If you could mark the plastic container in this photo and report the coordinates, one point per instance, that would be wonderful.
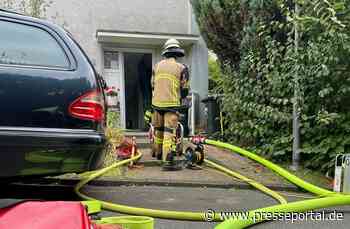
(130, 222)
(213, 113)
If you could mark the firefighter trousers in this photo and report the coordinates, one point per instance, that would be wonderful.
(165, 125)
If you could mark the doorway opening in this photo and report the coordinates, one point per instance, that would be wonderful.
(138, 91)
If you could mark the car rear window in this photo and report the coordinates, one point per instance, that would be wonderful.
(31, 46)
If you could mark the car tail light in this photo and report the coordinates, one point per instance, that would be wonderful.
(89, 106)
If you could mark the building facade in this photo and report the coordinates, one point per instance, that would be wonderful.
(124, 37)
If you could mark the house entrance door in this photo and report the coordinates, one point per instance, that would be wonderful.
(138, 91)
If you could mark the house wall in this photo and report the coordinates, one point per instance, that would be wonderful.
(84, 17)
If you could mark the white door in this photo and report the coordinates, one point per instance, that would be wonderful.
(113, 74)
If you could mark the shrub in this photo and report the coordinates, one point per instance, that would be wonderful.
(254, 41)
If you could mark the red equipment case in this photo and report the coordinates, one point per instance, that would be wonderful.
(46, 215)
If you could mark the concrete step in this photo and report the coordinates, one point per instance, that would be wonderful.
(143, 143)
(131, 133)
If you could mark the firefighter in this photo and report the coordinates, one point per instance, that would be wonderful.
(169, 86)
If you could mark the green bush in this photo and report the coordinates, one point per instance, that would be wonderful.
(214, 73)
(254, 41)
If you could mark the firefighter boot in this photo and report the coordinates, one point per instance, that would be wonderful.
(170, 164)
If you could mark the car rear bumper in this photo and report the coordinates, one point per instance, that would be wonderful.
(41, 151)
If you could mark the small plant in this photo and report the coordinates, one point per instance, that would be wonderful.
(113, 120)
(114, 137)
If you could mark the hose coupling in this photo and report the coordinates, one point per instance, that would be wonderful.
(197, 140)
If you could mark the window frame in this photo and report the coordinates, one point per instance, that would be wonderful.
(118, 60)
(72, 65)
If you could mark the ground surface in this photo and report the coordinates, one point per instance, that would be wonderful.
(152, 172)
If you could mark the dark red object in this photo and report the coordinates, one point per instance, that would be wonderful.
(45, 215)
(124, 151)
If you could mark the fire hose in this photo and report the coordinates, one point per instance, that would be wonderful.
(328, 199)
(176, 215)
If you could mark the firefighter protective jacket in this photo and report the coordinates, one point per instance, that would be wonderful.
(169, 80)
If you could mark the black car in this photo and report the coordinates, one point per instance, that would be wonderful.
(52, 105)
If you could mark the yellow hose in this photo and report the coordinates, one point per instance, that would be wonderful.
(193, 216)
(273, 167)
(331, 199)
(175, 215)
(253, 183)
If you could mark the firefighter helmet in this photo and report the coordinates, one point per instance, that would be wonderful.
(172, 48)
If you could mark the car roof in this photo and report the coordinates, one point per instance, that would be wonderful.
(19, 16)
(16, 15)
(9, 11)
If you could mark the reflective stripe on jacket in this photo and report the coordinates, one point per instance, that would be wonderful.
(167, 83)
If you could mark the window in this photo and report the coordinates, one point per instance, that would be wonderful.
(111, 60)
(28, 45)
